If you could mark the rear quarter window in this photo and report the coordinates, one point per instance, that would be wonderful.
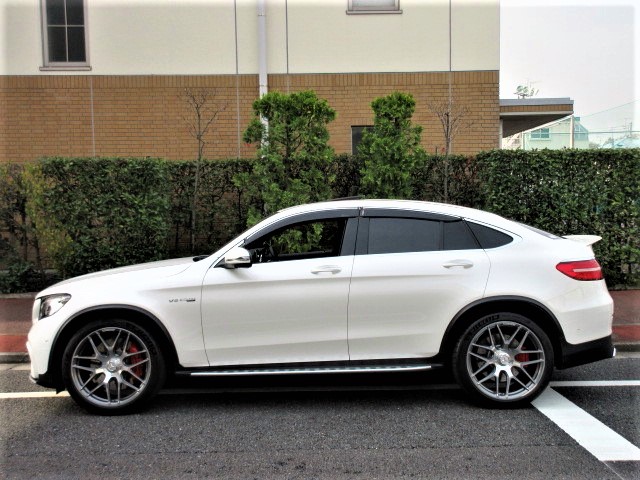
(488, 237)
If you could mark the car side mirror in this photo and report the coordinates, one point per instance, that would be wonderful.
(237, 257)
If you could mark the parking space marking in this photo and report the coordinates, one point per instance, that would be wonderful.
(593, 435)
(595, 383)
(8, 395)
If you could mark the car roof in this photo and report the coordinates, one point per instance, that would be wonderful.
(432, 207)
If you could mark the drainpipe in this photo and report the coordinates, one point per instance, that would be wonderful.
(262, 47)
(262, 60)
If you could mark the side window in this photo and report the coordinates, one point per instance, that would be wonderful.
(314, 239)
(457, 236)
(396, 235)
(488, 237)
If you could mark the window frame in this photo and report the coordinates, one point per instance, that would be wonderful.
(541, 134)
(48, 65)
(373, 10)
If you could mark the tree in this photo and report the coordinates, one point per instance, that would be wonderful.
(391, 149)
(203, 109)
(452, 117)
(526, 91)
(293, 155)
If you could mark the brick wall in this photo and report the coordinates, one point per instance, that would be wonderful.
(144, 115)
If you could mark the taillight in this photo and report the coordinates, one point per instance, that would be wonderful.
(582, 270)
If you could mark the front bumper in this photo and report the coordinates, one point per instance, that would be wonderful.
(583, 353)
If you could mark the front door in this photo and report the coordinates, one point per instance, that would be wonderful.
(290, 306)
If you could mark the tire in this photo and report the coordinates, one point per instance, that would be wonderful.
(503, 360)
(112, 367)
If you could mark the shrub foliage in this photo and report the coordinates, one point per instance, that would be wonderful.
(391, 149)
(93, 214)
(293, 153)
(572, 192)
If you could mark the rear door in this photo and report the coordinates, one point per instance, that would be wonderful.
(413, 271)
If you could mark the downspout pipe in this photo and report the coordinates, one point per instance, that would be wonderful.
(262, 48)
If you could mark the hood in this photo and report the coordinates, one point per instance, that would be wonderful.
(171, 267)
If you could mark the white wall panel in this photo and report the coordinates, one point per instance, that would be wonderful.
(323, 38)
(20, 37)
(476, 35)
(168, 37)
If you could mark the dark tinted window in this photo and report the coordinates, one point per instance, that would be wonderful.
(396, 235)
(488, 237)
(457, 236)
(66, 30)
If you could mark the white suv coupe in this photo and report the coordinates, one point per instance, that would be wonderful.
(347, 286)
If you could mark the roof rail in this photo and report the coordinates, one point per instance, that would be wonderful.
(340, 199)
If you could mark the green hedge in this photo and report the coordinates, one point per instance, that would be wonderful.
(221, 206)
(572, 192)
(93, 214)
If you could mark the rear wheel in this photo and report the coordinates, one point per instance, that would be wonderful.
(112, 367)
(503, 359)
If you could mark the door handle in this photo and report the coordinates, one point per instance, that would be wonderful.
(458, 263)
(332, 269)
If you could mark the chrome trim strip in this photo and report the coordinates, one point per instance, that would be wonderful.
(297, 371)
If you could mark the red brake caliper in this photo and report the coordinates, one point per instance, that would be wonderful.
(133, 348)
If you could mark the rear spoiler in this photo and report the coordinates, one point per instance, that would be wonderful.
(587, 240)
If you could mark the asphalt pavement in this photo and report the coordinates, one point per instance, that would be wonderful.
(385, 426)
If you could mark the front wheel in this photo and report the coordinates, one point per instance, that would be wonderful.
(112, 367)
(503, 360)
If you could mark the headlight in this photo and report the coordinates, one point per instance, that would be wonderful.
(51, 304)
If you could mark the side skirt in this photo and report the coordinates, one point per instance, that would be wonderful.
(301, 369)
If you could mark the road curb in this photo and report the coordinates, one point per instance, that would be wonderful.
(14, 357)
(627, 347)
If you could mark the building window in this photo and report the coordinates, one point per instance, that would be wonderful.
(540, 134)
(580, 133)
(64, 33)
(374, 6)
(356, 137)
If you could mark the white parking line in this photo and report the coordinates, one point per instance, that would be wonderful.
(33, 395)
(595, 383)
(593, 435)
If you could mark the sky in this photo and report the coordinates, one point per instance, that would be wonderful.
(583, 49)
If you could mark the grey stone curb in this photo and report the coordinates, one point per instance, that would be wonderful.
(14, 358)
(11, 296)
(627, 347)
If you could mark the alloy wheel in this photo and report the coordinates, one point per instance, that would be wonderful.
(505, 361)
(110, 367)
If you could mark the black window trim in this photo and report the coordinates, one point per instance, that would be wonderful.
(418, 214)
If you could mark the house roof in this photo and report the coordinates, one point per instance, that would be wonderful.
(522, 114)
